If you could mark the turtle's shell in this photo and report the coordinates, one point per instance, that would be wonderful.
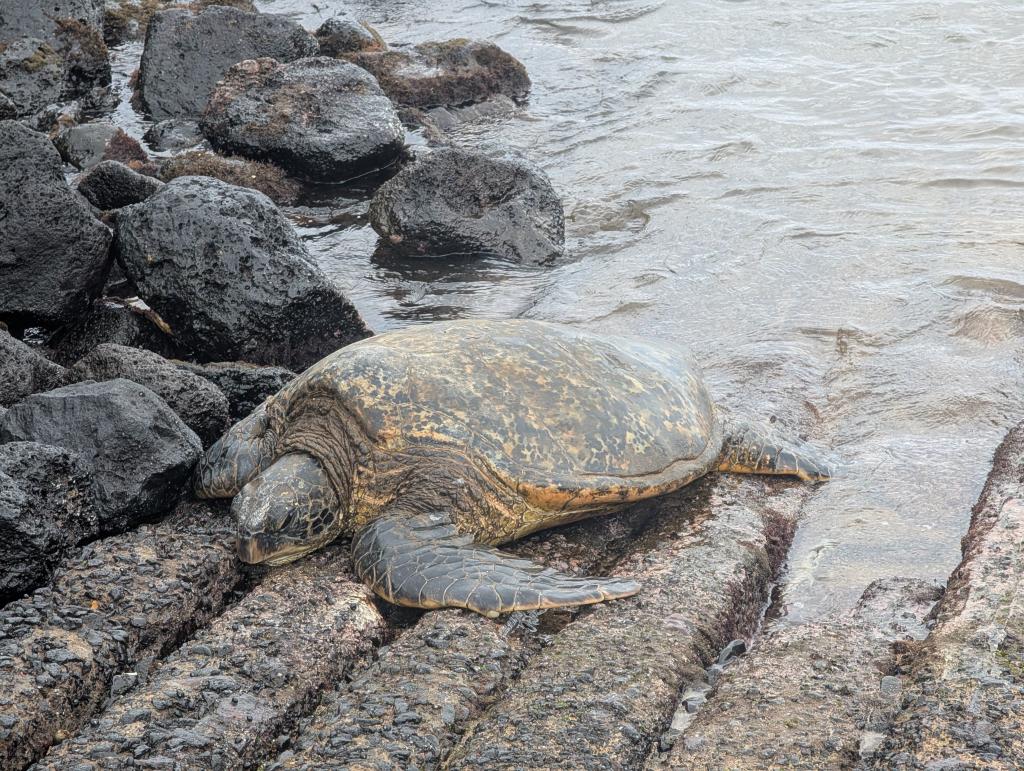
(567, 418)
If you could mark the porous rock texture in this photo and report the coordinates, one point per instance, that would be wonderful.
(54, 255)
(48, 505)
(86, 145)
(245, 385)
(50, 50)
(186, 54)
(408, 708)
(197, 401)
(25, 371)
(604, 690)
(173, 134)
(319, 118)
(226, 270)
(445, 74)
(112, 185)
(811, 696)
(113, 608)
(229, 697)
(964, 708)
(340, 35)
(140, 452)
(456, 200)
(111, 322)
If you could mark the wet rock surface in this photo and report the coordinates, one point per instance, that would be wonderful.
(231, 695)
(114, 608)
(340, 35)
(140, 452)
(25, 371)
(408, 708)
(964, 707)
(50, 50)
(112, 185)
(54, 255)
(605, 689)
(92, 143)
(48, 505)
(245, 385)
(445, 74)
(265, 177)
(31, 76)
(186, 54)
(197, 401)
(320, 118)
(173, 134)
(462, 201)
(226, 270)
(811, 696)
(110, 322)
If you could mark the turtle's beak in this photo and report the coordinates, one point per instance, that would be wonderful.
(250, 550)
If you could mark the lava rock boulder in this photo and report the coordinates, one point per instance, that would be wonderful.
(50, 50)
(173, 134)
(340, 35)
(24, 371)
(445, 74)
(186, 54)
(197, 401)
(455, 200)
(140, 452)
(112, 185)
(319, 118)
(91, 143)
(48, 505)
(226, 270)
(246, 386)
(111, 322)
(54, 255)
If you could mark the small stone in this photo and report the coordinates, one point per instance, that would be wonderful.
(731, 651)
(123, 682)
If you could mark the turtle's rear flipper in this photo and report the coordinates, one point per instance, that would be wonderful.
(749, 450)
(423, 561)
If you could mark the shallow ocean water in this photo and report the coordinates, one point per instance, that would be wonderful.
(823, 202)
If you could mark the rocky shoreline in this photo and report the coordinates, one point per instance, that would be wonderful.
(151, 297)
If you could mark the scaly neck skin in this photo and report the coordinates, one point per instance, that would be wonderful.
(327, 432)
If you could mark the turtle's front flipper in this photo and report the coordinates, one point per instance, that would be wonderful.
(422, 561)
(748, 450)
(237, 457)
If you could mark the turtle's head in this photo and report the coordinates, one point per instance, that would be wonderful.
(289, 509)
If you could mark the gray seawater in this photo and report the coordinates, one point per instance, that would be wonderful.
(823, 201)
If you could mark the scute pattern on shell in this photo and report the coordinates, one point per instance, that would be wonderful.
(566, 419)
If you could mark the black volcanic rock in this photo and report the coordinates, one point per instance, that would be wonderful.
(226, 270)
(54, 254)
(319, 118)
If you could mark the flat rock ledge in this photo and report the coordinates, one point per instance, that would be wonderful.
(810, 696)
(600, 695)
(122, 602)
(965, 708)
(409, 707)
(230, 696)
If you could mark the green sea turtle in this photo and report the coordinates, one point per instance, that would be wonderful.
(432, 445)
